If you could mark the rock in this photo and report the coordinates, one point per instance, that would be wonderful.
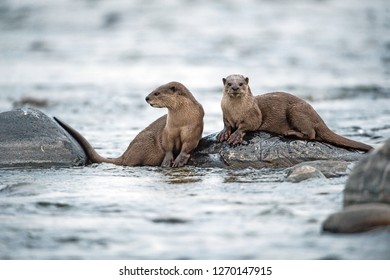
(329, 168)
(261, 149)
(370, 179)
(29, 138)
(366, 195)
(31, 101)
(317, 169)
(358, 218)
(303, 172)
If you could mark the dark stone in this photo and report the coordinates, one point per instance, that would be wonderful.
(261, 149)
(366, 195)
(358, 218)
(29, 138)
(370, 179)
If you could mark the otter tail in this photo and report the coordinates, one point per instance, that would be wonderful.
(92, 155)
(328, 136)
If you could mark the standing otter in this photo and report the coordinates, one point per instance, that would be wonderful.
(276, 112)
(173, 135)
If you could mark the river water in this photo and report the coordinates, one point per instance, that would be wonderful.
(94, 61)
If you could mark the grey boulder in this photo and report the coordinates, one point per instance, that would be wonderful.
(264, 150)
(366, 195)
(29, 138)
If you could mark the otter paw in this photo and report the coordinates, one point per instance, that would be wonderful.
(235, 138)
(167, 161)
(223, 135)
(181, 160)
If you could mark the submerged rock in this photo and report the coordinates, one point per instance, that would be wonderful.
(366, 195)
(261, 149)
(29, 138)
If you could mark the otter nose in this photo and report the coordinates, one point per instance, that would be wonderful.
(235, 88)
(147, 98)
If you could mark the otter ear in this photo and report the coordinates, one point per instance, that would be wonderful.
(224, 81)
(173, 88)
(247, 80)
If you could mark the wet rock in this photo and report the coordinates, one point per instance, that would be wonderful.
(261, 149)
(370, 179)
(329, 168)
(29, 138)
(31, 101)
(303, 172)
(366, 195)
(358, 218)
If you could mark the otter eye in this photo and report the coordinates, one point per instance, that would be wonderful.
(173, 88)
(240, 84)
(157, 93)
(229, 84)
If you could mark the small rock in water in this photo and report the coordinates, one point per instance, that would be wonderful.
(358, 218)
(330, 168)
(31, 101)
(303, 172)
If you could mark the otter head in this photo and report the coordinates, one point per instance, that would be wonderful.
(236, 85)
(168, 96)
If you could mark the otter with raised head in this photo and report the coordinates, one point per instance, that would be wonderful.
(168, 141)
(276, 112)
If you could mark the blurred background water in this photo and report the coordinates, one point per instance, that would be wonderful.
(94, 61)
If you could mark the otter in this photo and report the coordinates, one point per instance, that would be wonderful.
(168, 141)
(276, 112)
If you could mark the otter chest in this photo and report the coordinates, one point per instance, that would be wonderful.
(237, 111)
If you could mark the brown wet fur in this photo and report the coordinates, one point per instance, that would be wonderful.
(184, 124)
(168, 141)
(277, 112)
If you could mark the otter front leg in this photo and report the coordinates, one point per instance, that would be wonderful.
(168, 146)
(181, 159)
(225, 133)
(168, 159)
(185, 153)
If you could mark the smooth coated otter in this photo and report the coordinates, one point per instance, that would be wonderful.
(168, 141)
(276, 112)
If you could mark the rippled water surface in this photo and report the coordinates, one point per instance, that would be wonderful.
(94, 61)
